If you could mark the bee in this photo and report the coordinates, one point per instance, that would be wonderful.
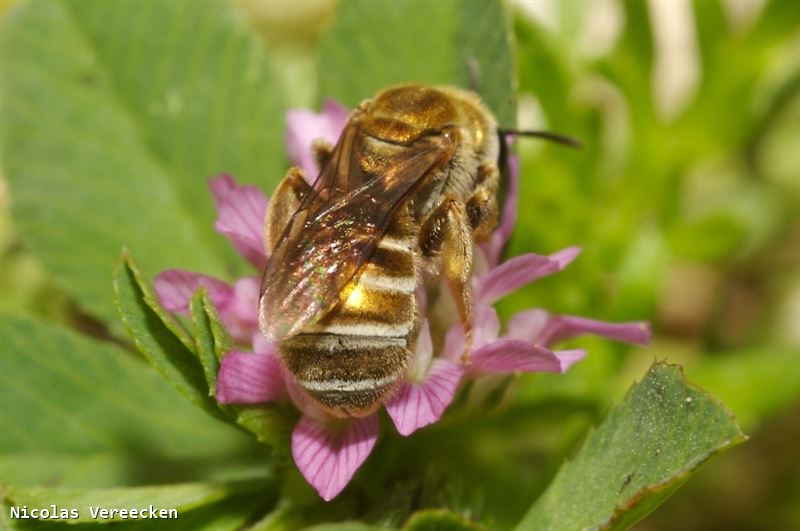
(410, 186)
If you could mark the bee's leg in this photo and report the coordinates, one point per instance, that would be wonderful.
(322, 150)
(482, 206)
(446, 239)
(284, 202)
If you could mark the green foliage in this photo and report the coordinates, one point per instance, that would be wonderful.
(646, 447)
(210, 336)
(115, 114)
(435, 520)
(158, 336)
(189, 366)
(688, 181)
(77, 413)
(390, 43)
(344, 527)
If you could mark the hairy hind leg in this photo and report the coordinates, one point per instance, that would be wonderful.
(482, 205)
(284, 203)
(446, 239)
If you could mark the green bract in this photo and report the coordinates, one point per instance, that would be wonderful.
(644, 449)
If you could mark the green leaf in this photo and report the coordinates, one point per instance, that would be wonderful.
(180, 497)
(635, 53)
(210, 336)
(630, 68)
(373, 45)
(777, 21)
(710, 19)
(222, 340)
(646, 447)
(80, 413)
(439, 520)
(271, 423)
(231, 514)
(301, 508)
(162, 341)
(113, 123)
(543, 72)
(346, 526)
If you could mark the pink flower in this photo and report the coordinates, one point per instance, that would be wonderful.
(327, 450)
(305, 126)
(240, 216)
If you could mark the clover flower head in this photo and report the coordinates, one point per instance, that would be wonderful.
(328, 451)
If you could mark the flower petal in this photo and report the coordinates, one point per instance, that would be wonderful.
(561, 327)
(329, 454)
(175, 287)
(543, 328)
(244, 307)
(304, 126)
(337, 115)
(497, 241)
(568, 358)
(241, 211)
(250, 379)
(485, 329)
(527, 325)
(221, 186)
(262, 345)
(515, 355)
(418, 404)
(423, 352)
(519, 271)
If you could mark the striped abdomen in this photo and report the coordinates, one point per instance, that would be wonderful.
(356, 354)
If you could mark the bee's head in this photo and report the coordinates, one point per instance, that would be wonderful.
(404, 114)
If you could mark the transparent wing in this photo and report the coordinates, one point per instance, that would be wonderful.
(336, 229)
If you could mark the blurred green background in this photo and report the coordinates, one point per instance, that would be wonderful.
(685, 198)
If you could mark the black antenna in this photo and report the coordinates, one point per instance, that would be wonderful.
(545, 135)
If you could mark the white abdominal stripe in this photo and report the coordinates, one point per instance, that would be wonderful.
(380, 331)
(396, 244)
(388, 283)
(333, 342)
(347, 386)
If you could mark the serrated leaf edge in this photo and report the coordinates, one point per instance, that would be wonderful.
(683, 474)
(149, 297)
